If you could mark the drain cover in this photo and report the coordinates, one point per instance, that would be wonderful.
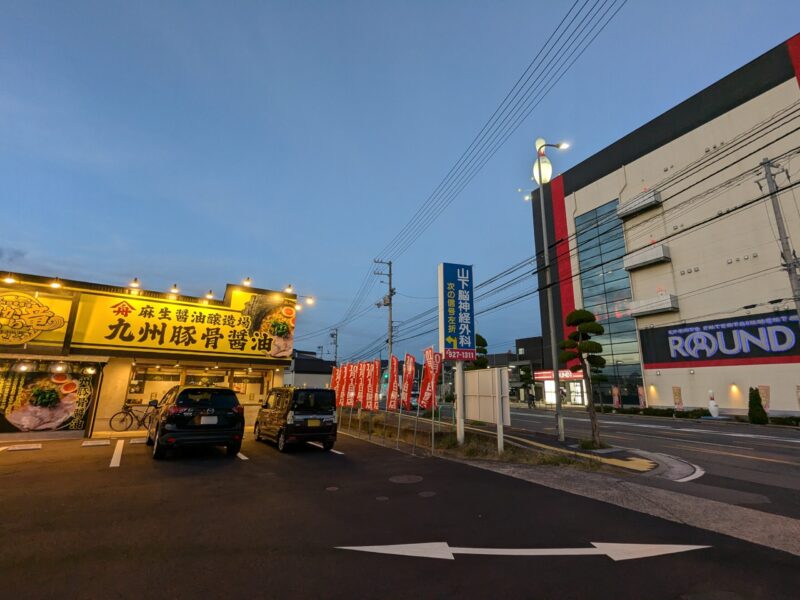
(405, 479)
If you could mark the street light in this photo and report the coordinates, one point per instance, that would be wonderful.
(542, 172)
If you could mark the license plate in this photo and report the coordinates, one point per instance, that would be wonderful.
(313, 423)
(208, 420)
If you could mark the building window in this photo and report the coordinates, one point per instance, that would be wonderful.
(606, 291)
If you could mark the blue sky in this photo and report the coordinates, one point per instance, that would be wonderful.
(203, 142)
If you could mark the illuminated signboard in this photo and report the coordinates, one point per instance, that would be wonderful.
(257, 325)
(456, 312)
(767, 337)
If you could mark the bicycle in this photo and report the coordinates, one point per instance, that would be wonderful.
(125, 418)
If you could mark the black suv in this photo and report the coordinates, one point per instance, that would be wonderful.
(293, 415)
(196, 415)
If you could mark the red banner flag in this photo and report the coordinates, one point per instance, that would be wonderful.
(334, 375)
(430, 377)
(369, 385)
(352, 381)
(361, 385)
(376, 384)
(392, 391)
(408, 381)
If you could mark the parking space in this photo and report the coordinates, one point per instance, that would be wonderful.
(271, 525)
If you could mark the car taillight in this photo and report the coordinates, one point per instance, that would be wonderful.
(176, 410)
(290, 418)
(239, 410)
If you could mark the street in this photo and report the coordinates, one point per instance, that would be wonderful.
(108, 521)
(742, 464)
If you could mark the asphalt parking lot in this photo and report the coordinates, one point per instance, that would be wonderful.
(108, 521)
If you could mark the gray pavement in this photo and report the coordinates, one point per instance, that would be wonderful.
(268, 525)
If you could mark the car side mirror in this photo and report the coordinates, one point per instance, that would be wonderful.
(153, 403)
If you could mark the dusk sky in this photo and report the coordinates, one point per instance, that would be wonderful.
(202, 142)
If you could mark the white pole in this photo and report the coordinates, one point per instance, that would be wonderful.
(498, 392)
(460, 402)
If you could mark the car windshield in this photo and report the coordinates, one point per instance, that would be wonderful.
(314, 400)
(220, 398)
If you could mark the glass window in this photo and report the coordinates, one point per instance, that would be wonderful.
(205, 397)
(314, 400)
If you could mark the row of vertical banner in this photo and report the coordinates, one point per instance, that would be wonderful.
(358, 384)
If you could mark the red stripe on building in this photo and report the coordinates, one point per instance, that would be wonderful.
(561, 249)
(793, 45)
(726, 362)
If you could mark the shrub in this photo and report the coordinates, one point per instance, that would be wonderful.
(755, 409)
(658, 412)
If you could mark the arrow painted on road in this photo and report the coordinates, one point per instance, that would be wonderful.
(443, 550)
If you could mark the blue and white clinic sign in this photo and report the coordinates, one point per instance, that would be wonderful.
(456, 312)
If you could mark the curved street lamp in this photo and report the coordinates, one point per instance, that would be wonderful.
(542, 172)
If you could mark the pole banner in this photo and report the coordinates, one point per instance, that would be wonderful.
(376, 384)
(409, 369)
(431, 372)
(369, 385)
(334, 375)
(392, 387)
(360, 396)
(352, 382)
(341, 386)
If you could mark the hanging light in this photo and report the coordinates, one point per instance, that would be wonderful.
(210, 294)
(23, 367)
(247, 282)
(134, 283)
(546, 167)
(56, 283)
(216, 365)
(58, 367)
(174, 289)
(288, 289)
(89, 371)
(309, 300)
(9, 279)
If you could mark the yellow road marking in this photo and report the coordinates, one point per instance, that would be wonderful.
(707, 451)
(631, 463)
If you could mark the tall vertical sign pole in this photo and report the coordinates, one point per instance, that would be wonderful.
(550, 309)
(457, 328)
(790, 261)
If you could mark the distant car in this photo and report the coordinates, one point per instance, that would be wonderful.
(292, 415)
(197, 416)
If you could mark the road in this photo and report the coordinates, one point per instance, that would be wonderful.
(745, 465)
(108, 521)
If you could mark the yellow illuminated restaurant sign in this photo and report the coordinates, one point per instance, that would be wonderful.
(255, 325)
(33, 318)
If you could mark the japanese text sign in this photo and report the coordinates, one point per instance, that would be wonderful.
(456, 312)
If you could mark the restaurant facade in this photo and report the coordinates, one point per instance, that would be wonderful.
(72, 353)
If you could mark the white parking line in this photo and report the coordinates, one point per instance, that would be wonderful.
(318, 445)
(24, 447)
(137, 441)
(87, 443)
(242, 456)
(117, 457)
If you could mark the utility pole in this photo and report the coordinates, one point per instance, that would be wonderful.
(790, 261)
(387, 301)
(320, 349)
(335, 338)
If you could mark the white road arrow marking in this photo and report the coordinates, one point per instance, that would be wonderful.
(444, 551)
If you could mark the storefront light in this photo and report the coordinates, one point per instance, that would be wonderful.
(58, 367)
(24, 367)
(289, 289)
(247, 282)
(9, 279)
(134, 283)
(298, 306)
(55, 284)
(210, 295)
(309, 300)
(174, 289)
(89, 371)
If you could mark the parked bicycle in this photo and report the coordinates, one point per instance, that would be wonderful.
(125, 419)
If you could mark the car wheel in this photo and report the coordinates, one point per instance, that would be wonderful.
(327, 446)
(257, 431)
(233, 449)
(149, 440)
(282, 445)
(159, 451)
